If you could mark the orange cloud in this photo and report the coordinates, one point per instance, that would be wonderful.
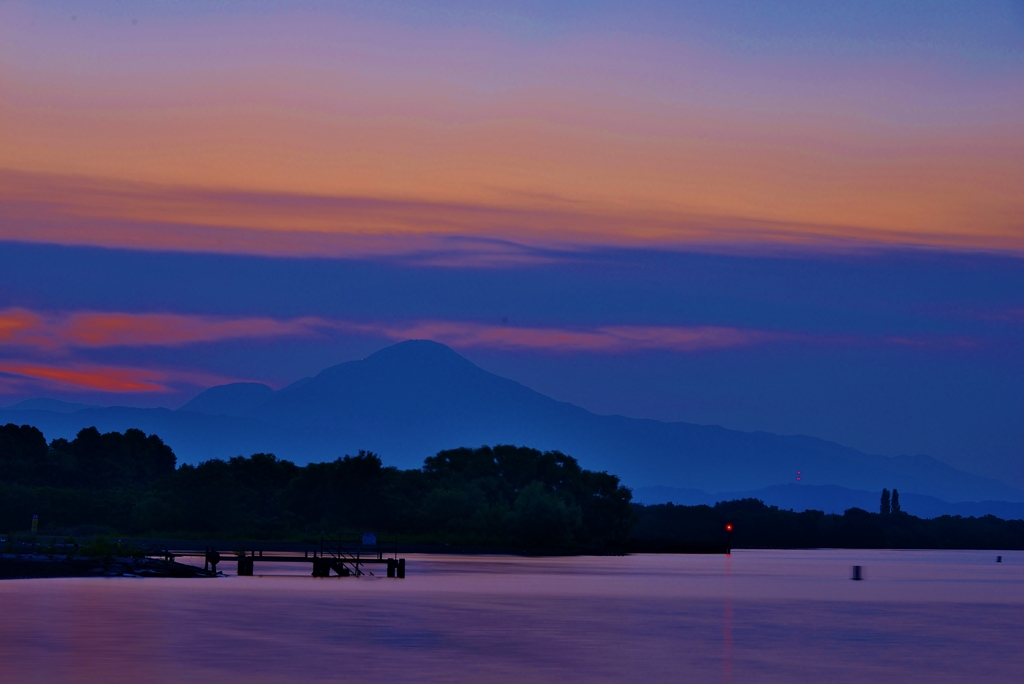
(92, 329)
(117, 329)
(75, 210)
(607, 339)
(67, 331)
(104, 379)
(16, 323)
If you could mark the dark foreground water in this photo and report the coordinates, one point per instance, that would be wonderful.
(757, 616)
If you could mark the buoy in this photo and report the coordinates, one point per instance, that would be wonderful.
(856, 573)
(999, 559)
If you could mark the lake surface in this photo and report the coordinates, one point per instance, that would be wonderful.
(755, 616)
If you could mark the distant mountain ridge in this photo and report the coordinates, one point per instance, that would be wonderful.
(832, 499)
(52, 405)
(415, 398)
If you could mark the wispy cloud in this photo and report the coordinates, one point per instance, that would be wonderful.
(48, 348)
(54, 332)
(99, 329)
(74, 210)
(1012, 315)
(19, 327)
(605, 339)
(118, 329)
(97, 378)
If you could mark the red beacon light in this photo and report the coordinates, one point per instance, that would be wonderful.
(728, 527)
(798, 478)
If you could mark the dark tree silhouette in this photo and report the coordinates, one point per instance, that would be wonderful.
(502, 496)
(89, 461)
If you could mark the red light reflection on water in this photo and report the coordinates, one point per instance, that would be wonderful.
(727, 621)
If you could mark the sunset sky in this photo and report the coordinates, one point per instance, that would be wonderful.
(794, 216)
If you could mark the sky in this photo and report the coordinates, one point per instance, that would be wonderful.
(797, 217)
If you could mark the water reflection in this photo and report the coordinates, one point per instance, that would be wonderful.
(754, 616)
(727, 622)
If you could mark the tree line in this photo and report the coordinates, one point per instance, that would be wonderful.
(759, 526)
(502, 496)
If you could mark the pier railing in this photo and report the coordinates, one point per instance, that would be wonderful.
(346, 554)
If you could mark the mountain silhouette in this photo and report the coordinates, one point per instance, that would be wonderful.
(235, 399)
(412, 399)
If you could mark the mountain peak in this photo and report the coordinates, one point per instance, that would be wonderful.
(409, 361)
(417, 397)
(418, 352)
(235, 399)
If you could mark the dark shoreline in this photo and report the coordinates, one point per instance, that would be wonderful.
(659, 546)
(40, 566)
(37, 561)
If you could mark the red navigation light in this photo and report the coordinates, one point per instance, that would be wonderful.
(728, 527)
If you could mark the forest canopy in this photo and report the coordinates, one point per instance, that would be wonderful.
(488, 495)
(499, 497)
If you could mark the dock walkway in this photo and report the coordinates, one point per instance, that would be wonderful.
(347, 555)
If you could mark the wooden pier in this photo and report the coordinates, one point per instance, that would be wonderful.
(347, 555)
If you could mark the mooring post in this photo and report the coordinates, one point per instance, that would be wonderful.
(212, 557)
(391, 567)
(401, 568)
(856, 573)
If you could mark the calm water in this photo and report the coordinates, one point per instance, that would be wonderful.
(757, 616)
